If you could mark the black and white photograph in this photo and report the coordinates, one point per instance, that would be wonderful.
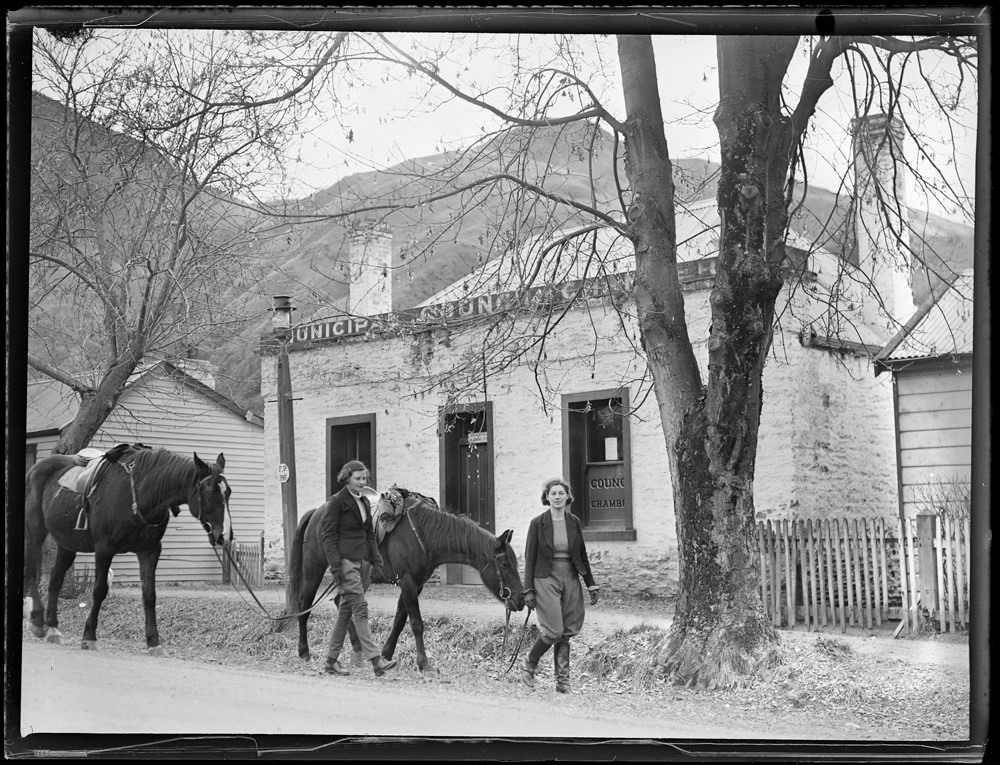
(498, 383)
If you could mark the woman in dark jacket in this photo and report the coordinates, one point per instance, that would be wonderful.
(354, 559)
(554, 560)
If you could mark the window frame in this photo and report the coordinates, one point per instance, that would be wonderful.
(627, 532)
(354, 419)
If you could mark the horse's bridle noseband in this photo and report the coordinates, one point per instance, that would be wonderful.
(199, 491)
(503, 591)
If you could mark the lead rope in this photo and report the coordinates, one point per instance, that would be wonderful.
(520, 640)
(267, 615)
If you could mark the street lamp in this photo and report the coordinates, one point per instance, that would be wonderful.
(281, 322)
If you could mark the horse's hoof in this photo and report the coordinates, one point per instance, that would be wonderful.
(36, 630)
(157, 650)
(53, 636)
(88, 645)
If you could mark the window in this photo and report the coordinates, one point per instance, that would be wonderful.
(597, 462)
(350, 438)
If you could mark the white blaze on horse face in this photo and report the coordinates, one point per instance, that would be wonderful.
(227, 518)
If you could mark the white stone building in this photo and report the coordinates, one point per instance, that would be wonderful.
(375, 385)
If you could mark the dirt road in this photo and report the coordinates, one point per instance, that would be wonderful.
(66, 690)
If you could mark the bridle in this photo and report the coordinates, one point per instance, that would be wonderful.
(196, 498)
(199, 490)
(503, 591)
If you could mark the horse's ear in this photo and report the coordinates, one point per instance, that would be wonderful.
(200, 465)
(504, 538)
(221, 461)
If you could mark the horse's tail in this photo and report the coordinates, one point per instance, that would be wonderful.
(295, 563)
(37, 476)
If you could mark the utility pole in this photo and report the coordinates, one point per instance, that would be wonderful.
(281, 320)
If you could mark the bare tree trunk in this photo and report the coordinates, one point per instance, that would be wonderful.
(95, 406)
(720, 633)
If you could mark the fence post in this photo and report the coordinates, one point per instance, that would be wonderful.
(927, 584)
(260, 562)
(789, 586)
(903, 581)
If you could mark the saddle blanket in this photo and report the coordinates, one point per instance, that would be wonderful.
(79, 477)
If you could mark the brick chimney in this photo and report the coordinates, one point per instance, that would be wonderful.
(881, 219)
(370, 252)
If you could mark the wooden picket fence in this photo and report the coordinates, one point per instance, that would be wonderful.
(250, 557)
(829, 573)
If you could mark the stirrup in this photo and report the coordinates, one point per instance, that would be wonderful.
(82, 520)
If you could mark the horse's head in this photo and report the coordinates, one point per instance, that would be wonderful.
(209, 502)
(502, 577)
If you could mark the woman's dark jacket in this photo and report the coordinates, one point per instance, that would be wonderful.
(539, 550)
(345, 534)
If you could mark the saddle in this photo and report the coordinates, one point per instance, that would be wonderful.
(83, 477)
(386, 519)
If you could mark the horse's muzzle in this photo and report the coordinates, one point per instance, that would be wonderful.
(515, 604)
(220, 539)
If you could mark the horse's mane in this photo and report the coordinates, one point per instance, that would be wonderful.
(460, 531)
(161, 472)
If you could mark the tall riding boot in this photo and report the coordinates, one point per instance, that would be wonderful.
(562, 666)
(531, 661)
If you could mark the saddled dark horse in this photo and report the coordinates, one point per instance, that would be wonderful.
(422, 538)
(129, 507)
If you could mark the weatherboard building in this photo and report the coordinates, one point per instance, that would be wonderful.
(384, 386)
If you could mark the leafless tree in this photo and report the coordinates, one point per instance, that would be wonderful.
(149, 150)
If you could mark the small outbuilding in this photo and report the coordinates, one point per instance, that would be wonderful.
(931, 364)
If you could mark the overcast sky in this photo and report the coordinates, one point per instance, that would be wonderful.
(687, 77)
(688, 83)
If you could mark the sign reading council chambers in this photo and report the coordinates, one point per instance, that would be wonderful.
(352, 326)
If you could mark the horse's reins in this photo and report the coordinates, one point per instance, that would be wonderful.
(520, 640)
(129, 468)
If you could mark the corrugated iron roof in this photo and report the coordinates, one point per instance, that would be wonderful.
(697, 236)
(51, 406)
(942, 328)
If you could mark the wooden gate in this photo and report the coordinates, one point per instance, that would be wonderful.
(250, 558)
(935, 572)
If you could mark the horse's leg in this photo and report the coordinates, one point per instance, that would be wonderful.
(35, 533)
(410, 594)
(64, 559)
(398, 622)
(32, 570)
(102, 562)
(148, 559)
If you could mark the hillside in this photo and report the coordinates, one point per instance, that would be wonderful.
(435, 245)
